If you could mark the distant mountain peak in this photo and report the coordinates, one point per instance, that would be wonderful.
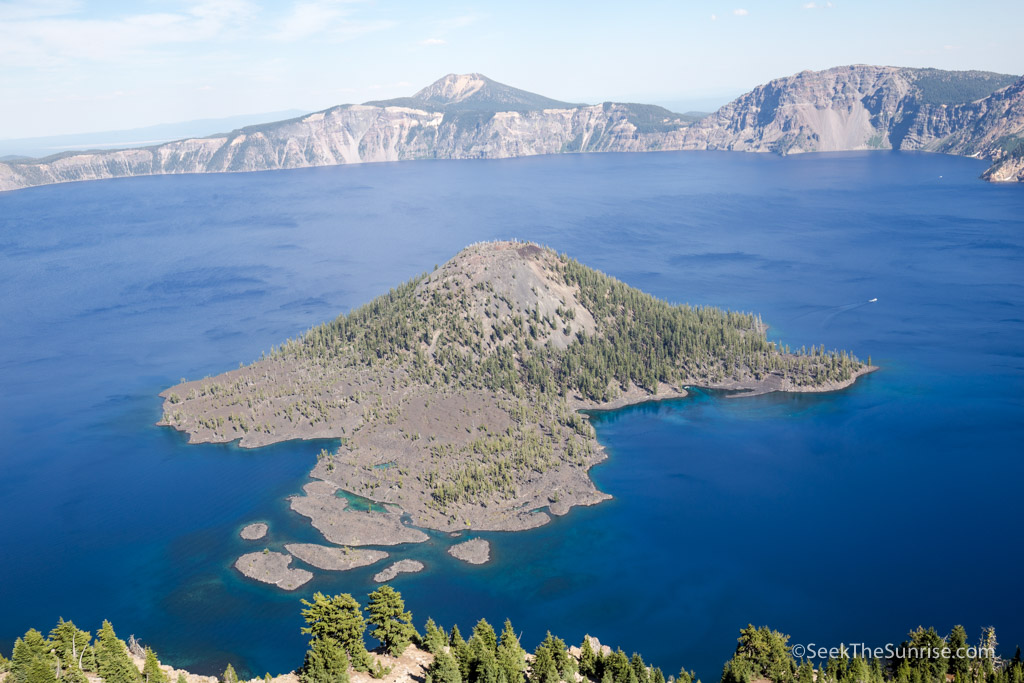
(453, 88)
(475, 92)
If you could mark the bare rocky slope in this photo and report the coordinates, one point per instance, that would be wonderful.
(469, 116)
(456, 394)
(967, 113)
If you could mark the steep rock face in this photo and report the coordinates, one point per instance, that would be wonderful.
(1009, 169)
(839, 109)
(991, 128)
(472, 117)
(360, 133)
(867, 107)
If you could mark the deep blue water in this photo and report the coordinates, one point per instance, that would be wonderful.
(851, 516)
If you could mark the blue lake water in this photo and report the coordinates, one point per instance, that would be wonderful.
(845, 517)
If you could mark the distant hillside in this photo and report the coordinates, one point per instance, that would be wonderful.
(39, 147)
(970, 113)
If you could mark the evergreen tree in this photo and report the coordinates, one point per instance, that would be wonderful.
(835, 669)
(617, 664)
(21, 659)
(484, 667)
(71, 645)
(88, 659)
(460, 651)
(918, 653)
(484, 633)
(511, 656)
(434, 639)
(543, 669)
(341, 619)
(685, 676)
(152, 673)
(805, 673)
(392, 624)
(27, 650)
(326, 662)
(112, 659)
(959, 662)
(444, 669)
(639, 668)
(588, 659)
(760, 653)
(229, 675)
(555, 646)
(657, 675)
(181, 678)
(455, 637)
(41, 670)
(857, 671)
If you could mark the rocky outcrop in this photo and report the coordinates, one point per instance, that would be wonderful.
(343, 526)
(472, 117)
(1010, 168)
(400, 567)
(272, 568)
(475, 551)
(254, 531)
(869, 107)
(334, 559)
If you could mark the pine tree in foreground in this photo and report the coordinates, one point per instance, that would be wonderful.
(151, 671)
(112, 659)
(339, 618)
(326, 662)
(392, 624)
(444, 669)
(511, 656)
(434, 640)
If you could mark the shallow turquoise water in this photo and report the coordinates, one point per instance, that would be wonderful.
(851, 516)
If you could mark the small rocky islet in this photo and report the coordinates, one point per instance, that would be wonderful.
(254, 531)
(400, 567)
(474, 551)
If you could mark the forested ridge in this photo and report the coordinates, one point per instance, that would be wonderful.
(337, 628)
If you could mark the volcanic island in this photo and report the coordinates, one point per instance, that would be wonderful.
(457, 398)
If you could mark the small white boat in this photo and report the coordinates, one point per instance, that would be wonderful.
(871, 301)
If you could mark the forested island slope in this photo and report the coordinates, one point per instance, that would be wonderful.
(469, 116)
(456, 395)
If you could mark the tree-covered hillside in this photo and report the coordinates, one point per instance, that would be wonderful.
(428, 324)
(337, 653)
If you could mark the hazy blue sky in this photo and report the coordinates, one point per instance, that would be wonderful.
(70, 66)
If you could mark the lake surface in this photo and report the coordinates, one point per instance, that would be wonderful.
(845, 517)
